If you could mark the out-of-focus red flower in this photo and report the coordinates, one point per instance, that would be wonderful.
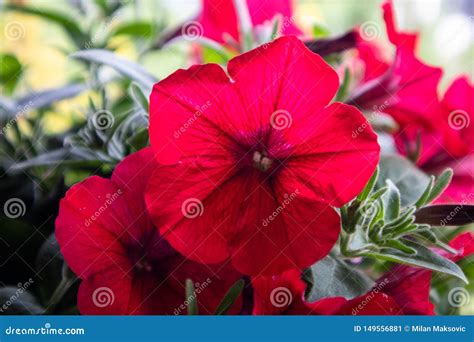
(108, 240)
(403, 86)
(403, 290)
(218, 17)
(259, 155)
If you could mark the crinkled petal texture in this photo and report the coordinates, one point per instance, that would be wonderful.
(219, 17)
(108, 240)
(259, 157)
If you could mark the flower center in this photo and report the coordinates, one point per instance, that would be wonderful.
(143, 266)
(261, 161)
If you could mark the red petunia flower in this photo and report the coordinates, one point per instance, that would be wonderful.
(403, 290)
(256, 159)
(403, 87)
(109, 241)
(218, 17)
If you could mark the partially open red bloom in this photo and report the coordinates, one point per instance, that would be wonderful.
(403, 290)
(403, 86)
(261, 156)
(108, 240)
(218, 17)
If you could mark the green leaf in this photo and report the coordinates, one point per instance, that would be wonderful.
(424, 197)
(332, 277)
(320, 31)
(391, 202)
(10, 72)
(409, 180)
(369, 186)
(230, 297)
(342, 91)
(123, 66)
(440, 184)
(66, 22)
(424, 258)
(138, 29)
(191, 298)
(139, 98)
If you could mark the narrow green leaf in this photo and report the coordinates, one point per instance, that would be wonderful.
(191, 298)
(424, 197)
(440, 184)
(391, 201)
(230, 298)
(342, 91)
(397, 244)
(123, 66)
(424, 257)
(139, 97)
(369, 186)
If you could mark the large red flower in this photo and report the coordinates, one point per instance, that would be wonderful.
(259, 155)
(109, 241)
(218, 17)
(403, 290)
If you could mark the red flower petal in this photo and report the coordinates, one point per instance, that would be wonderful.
(219, 17)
